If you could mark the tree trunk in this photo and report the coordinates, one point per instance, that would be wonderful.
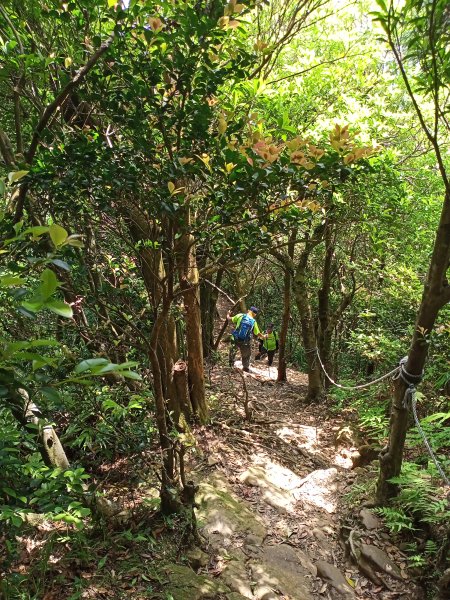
(208, 302)
(169, 484)
(324, 330)
(435, 295)
(26, 411)
(239, 291)
(308, 334)
(286, 313)
(167, 352)
(189, 283)
(180, 377)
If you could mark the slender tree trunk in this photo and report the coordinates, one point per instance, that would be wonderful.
(308, 333)
(169, 483)
(189, 283)
(286, 313)
(240, 293)
(208, 302)
(435, 295)
(324, 317)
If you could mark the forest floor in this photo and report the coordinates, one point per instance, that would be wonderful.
(280, 512)
(278, 497)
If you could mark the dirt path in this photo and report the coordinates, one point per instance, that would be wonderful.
(272, 499)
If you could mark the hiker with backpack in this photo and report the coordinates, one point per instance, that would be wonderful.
(245, 327)
(268, 345)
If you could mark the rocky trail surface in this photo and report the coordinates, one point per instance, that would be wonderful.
(274, 517)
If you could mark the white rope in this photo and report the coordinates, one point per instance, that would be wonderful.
(356, 387)
(411, 391)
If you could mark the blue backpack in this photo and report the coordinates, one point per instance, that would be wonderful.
(243, 333)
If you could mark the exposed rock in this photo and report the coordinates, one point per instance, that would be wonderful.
(345, 437)
(221, 514)
(184, 584)
(334, 577)
(318, 488)
(365, 455)
(235, 577)
(264, 592)
(235, 596)
(253, 540)
(271, 475)
(197, 558)
(369, 520)
(212, 461)
(380, 560)
(275, 483)
(319, 534)
(280, 568)
(282, 501)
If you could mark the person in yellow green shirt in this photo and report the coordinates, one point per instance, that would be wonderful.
(268, 345)
(245, 328)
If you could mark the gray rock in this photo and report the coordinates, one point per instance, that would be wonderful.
(184, 584)
(369, 520)
(221, 514)
(197, 558)
(380, 560)
(235, 577)
(334, 577)
(253, 540)
(280, 569)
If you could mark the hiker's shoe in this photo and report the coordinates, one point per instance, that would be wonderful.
(246, 370)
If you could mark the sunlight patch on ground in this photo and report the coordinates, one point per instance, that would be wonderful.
(275, 473)
(260, 369)
(342, 461)
(282, 489)
(305, 437)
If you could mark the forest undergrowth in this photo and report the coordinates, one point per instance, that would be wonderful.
(263, 436)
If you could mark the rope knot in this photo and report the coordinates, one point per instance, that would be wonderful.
(406, 376)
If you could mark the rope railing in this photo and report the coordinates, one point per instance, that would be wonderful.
(409, 399)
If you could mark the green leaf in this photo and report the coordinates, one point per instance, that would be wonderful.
(131, 375)
(382, 5)
(61, 264)
(58, 234)
(60, 308)
(10, 280)
(73, 240)
(50, 393)
(10, 492)
(33, 306)
(87, 364)
(36, 231)
(16, 175)
(49, 284)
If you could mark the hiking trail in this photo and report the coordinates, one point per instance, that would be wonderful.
(274, 516)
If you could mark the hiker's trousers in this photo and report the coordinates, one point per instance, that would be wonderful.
(246, 352)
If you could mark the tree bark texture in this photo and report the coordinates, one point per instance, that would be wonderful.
(435, 295)
(286, 313)
(324, 334)
(189, 284)
(26, 411)
(308, 334)
(208, 303)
